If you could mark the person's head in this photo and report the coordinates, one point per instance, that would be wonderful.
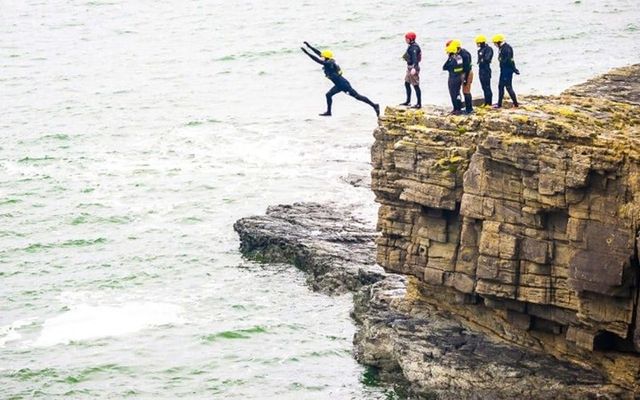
(410, 37)
(498, 39)
(481, 40)
(326, 54)
(453, 44)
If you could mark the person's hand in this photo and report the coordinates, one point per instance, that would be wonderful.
(413, 71)
(306, 43)
(516, 71)
(303, 49)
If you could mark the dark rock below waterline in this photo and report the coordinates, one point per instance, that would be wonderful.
(334, 247)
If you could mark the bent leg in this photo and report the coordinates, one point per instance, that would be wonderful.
(501, 86)
(332, 92)
(512, 94)
(509, 86)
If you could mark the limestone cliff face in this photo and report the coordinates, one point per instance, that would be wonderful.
(523, 222)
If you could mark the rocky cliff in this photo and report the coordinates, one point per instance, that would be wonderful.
(424, 352)
(523, 223)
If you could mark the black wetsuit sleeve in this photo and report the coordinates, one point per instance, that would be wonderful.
(485, 57)
(447, 64)
(314, 58)
(313, 48)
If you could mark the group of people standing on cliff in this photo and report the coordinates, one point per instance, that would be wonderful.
(459, 64)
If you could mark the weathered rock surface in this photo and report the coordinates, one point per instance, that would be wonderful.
(334, 247)
(523, 223)
(359, 181)
(621, 85)
(415, 345)
(443, 359)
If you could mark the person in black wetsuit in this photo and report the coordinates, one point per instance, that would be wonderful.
(485, 55)
(467, 78)
(454, 65)
(412, 56)
(333, 72)
(467, 73)
(507, 69)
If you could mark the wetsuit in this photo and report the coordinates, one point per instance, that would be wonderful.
(485, 55)
(507, 69)
(333, 72)
(467, 79)
(455, 68)
(413, 56)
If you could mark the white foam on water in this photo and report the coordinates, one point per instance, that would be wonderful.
(8, 333)
(86, 322)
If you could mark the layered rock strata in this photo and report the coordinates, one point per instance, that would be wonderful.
(438, 357)
(523, 223)
(423, 351)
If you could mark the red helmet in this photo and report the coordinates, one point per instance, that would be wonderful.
(410, 36)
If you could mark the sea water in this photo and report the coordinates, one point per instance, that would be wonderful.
(134, 133)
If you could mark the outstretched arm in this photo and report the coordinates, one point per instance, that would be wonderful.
(311, 56)
(312, 48)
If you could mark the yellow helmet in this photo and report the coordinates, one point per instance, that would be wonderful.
(451, 48)
(498, 38)
(326, 54)
(481, 39)
(455, 43)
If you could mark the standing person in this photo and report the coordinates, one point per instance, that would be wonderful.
(333, 72)
(467, 73)
(507, 69)
(454, 66)
(412, 56)
(467, 78)
(485, 55)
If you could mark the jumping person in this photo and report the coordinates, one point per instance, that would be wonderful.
(333, 72)
(454, 65)
(412, 56)
(507, 69)
(485, 55)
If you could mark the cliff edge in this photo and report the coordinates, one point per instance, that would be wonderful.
(523, 223)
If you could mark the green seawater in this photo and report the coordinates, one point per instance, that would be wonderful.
(133, 136)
